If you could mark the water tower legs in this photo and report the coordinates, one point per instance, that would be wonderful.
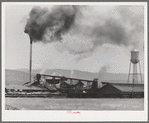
(135, 77)
(134, 74)
(129, 72)
(140, 73)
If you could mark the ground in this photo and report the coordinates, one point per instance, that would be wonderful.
(73, 104)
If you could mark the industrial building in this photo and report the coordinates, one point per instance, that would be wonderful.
(67, 87)
(120, 90)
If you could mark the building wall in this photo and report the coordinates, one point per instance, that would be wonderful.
(108, 91)
(133, 95)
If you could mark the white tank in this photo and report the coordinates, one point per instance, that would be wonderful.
(135, 56)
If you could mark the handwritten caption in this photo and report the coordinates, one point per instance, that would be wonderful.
(73, 112)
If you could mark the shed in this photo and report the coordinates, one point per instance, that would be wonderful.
(120, 90)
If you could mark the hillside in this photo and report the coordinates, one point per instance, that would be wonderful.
(16, 77)
(82, 74)
(19, 77)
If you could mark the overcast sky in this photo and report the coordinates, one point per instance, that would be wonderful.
(99, 36)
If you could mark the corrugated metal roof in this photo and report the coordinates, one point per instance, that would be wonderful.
(79, 83)
(15, 87)
(121, 83)
(20, 87)
(129, 87)
(36, 88)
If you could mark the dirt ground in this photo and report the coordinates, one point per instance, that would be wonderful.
(73, 104)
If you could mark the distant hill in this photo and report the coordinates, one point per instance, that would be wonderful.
(103, 76)
(19, 77)
(16, 77)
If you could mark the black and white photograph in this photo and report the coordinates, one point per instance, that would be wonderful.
(72, 59)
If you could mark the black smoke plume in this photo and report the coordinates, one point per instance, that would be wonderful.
(50, 25)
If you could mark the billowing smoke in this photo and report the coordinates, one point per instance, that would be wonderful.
(122, 26)
(81, 31)
(111, 32)
(45, 25)
(102, 74)
(103, 69)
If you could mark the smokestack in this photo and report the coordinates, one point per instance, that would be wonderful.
(30, 59)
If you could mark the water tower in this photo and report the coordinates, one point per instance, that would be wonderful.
(135, 61)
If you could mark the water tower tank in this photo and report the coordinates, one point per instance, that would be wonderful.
(135, 56)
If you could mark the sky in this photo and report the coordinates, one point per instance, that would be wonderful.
(95, 36)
